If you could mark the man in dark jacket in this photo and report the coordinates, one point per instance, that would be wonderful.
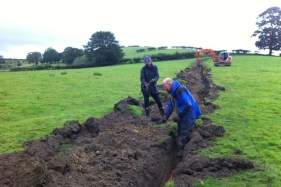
(149, 77)
(187, 108)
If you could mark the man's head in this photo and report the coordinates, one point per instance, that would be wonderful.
(147, 60)
(167, 84)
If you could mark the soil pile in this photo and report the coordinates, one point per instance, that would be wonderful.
(121, 149)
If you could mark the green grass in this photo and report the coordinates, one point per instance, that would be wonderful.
(251, 115)
(170, 184)
(33, 103)
(130, 52)
(136, 110)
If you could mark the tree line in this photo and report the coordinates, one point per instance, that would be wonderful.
(102, 49)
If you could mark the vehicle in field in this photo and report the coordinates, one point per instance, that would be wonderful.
(223, 59)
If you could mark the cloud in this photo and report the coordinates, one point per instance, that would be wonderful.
(35, 25)
(15, 41)
(10, 36)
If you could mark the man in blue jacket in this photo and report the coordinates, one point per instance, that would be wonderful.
(187, 108)
(149, 77)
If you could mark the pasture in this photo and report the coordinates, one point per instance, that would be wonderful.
(250, 111)
(34, 103)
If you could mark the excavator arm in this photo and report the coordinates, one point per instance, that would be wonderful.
(224, 58)
(213, 54)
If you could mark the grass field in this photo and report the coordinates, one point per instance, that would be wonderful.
(34, 103)
(251, 114)
(130, 52)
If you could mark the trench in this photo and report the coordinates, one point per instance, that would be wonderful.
(196, 75)
(184, 172)
(121, 149)
(165, 160)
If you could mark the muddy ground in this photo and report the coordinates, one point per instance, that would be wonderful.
(121, 149)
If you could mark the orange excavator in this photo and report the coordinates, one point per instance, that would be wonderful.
(224, 58)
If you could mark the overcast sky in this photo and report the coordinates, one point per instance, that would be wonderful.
(34, 25)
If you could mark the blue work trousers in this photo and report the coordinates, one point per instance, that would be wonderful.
(184, 130)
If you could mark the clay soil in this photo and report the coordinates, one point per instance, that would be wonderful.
(122, 149)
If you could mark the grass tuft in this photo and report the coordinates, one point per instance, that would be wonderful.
(97, 74)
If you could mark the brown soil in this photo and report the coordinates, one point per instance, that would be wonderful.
(121, 149)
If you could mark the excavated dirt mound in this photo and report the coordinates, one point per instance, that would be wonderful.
(121, 149)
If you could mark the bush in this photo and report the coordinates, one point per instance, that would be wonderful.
(127, 61)
(137, 60)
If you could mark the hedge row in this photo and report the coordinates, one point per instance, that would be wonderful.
(162, 57)
(155, 58)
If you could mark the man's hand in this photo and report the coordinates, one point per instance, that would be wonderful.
(146, 84)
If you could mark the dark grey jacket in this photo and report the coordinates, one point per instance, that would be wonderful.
(147, 74)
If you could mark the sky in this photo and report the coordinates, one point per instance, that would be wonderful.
(35, 25)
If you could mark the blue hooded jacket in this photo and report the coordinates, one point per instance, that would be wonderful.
(186, 105)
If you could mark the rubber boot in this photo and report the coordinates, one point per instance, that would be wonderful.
(180, 153)
(162, 112)
(180, 150)
(147, 113)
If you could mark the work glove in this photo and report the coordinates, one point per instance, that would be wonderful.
(164, 119)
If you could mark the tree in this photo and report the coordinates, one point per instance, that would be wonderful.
(2, 60)
(51, 55)
(34, 57)
(269, 31)
(70, 54)
(103, 49)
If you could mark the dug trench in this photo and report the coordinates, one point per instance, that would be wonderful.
(122, 149)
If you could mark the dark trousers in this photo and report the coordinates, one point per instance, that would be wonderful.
(156, 98)
(184, 130)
